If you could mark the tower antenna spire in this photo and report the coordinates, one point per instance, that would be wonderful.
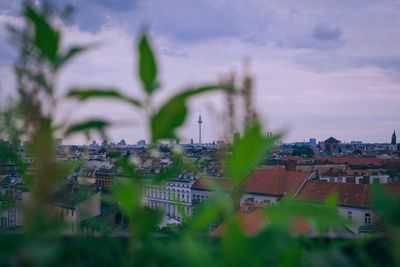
(200, 121)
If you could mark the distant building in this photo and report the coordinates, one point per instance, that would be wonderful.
(13, 196)
(313, 141)
(331, 146)
(141, 143)
(174, 196)
(268, 186)
(122, 143)
(356, 142)
(75, 203)
(104, 143)
(201, 190)
(354, 201)
(93, 144)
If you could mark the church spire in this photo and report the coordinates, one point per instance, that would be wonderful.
(394, 138)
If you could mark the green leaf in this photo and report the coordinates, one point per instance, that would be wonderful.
(322, 216)
(128, 197)
(70, 54)
(87, 126)
(46, 38)
(194, 253)
(147, 66)
(111, 93)
(206, 214)
(38, 77)
(7, 153)
(168, 119)
(387, 205)
(172, 114)
(235, 246)
(248, 153)
(179, 163)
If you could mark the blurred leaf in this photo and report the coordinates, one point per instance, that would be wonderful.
(168, 119)
(173, 113)
(247, 153)
(274, 255)
(39, 78)
(197, 254)
(7, 153)
(147, 65)
(127, 196)
(70, 54)
(388, 206)
(128, 167)
(235, 246)
(206, 214)
(322, 215)
(46, 38)
(145, 221)
(179, 165)
(87, 126)
(111, 93)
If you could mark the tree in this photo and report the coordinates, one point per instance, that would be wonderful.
(303, 151)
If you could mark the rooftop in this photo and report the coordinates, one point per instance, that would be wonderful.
(252, 220)
(276, 181)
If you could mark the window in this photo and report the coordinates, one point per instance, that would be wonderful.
(3, 221)
(350, 216)
(4, 206)
(250, 200)
(367, 219)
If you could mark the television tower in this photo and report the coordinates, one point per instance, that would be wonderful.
(200, 122)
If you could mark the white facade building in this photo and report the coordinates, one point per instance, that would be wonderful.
(174, 197)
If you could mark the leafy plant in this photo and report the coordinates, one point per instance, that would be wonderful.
(193, 244)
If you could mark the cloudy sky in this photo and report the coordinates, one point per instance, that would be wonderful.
(321, 68)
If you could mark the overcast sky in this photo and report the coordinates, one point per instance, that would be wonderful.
(321, 68)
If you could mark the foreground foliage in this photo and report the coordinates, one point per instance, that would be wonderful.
(43, 243)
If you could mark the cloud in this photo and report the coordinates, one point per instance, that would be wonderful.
(117, 5)
(325, 32)
(320, 70)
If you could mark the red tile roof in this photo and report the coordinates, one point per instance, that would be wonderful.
(340, 160)
(355, 160)
(276, 181)
(348, 194)
(358, 195)
(253, 221)
(392, 189)
(204, 182)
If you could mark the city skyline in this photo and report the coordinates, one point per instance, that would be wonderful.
(320, 70)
